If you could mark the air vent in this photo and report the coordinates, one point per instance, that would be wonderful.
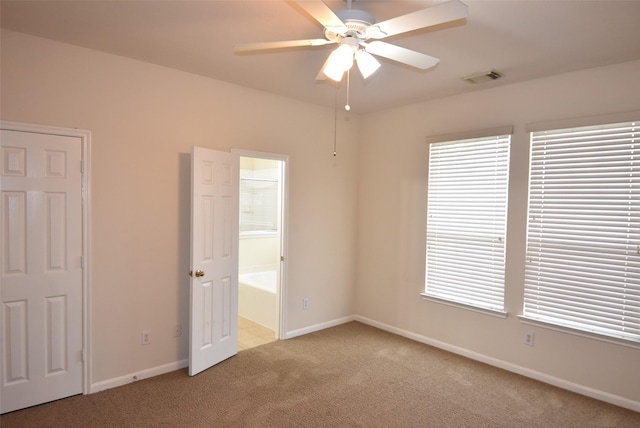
(483, 77)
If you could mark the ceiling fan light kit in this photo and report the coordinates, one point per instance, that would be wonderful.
(339, 61)
(351, 29)
(367, 63)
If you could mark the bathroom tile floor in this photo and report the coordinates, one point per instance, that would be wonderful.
(251, 334)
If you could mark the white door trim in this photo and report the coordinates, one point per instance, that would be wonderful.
(85, 137)
(282, 303)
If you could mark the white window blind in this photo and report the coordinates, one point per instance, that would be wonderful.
(583, 234)
(258, 205)
(466, 221)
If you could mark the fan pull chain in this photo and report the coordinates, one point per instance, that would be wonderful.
(347, 107)
(335, 122)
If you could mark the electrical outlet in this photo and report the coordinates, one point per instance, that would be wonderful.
(177, 332)
(528, 338)
(146, 337)
(305, 303)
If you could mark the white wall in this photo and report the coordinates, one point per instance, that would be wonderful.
(391, 225)
(258, 254)
(144, 120)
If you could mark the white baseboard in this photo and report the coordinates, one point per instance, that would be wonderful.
(136, 376)
(542, 377)
(318, 327)
(155, 371)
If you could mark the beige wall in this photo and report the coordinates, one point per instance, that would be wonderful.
(391, 225)
(144, 120)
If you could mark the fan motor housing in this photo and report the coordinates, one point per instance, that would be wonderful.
(356, 21)
(355, 15)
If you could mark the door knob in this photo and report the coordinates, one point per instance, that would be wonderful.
(199, 273)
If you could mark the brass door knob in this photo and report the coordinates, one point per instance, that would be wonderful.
(199, 273)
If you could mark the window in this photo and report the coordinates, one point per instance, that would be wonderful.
(466, 221)
(259, 203)
(583, 233)
(259, 196)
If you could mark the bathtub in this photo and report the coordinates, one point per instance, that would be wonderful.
(257, 297)
(261, 280)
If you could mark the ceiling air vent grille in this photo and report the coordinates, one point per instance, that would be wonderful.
(483, 77)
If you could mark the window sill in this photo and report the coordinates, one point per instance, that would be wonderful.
(484, 311)
(582, 333)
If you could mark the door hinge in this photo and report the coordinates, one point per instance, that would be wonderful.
(82, 262)
(82, 355)
(282, 258)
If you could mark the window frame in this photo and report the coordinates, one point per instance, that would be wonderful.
(529, 317)
(473, 136)
(275, 207)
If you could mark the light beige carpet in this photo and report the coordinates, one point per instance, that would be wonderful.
(348, 376)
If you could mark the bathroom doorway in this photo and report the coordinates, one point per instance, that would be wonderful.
(261, 251)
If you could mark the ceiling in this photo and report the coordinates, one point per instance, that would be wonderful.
(521, 39)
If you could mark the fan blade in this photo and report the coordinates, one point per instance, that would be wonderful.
(434, 15)
(250, 47)
(323, 14)
(400, 54)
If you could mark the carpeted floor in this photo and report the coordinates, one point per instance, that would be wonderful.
(352, 375)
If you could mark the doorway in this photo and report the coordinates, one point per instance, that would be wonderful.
(262, 231)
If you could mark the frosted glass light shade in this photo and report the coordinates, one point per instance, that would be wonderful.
(367, 64)
(339, 61)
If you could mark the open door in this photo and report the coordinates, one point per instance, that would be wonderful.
(214, 258)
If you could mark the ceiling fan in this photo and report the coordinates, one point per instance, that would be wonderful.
(358, 36)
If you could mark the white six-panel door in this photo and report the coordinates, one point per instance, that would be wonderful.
(214, 258)
(41, 272)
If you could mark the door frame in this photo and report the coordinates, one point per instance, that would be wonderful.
(85, 142)
(281, 302)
